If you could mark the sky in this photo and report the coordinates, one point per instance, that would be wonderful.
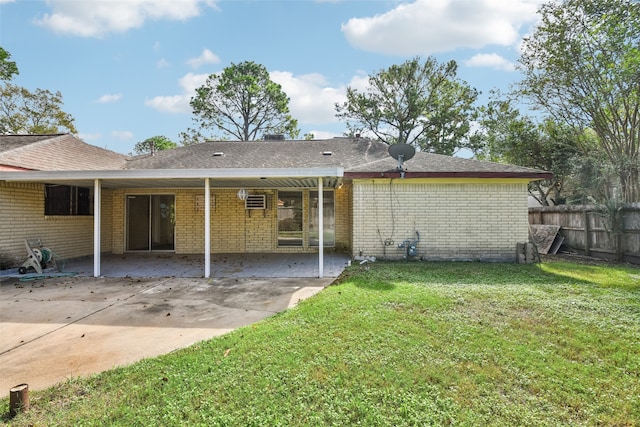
(127, 68)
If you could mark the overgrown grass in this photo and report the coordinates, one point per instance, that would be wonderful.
(396, 344)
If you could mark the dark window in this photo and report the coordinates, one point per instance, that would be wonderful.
(67, 200)
(290, 218)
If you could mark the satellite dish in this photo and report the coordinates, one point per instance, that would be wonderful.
(402, 153)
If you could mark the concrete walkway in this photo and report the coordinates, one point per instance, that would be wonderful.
(55, 329)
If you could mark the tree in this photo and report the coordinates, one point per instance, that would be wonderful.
(419, 103)
(7, 68)
(242, 102)
(155, 143)
(582, 66)
(505, 135)
(39, 112)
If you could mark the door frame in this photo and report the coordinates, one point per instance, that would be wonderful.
(151, 213)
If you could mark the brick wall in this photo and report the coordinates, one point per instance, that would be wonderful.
(457, 219)
(22, 217)
(234, 229)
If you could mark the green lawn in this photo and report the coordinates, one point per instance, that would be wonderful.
(396, 344)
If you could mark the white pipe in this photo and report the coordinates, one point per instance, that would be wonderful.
(97, 197)
(320, 229)
(207, 228)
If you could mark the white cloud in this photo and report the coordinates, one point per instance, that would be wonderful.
(492, 60)
(122, 135)
(321, 134)
(108, 98)
(312, 97)
(89, 136)
(97, 18)
(206, 57)
(432, 26)
(162, 63)
(179, 103)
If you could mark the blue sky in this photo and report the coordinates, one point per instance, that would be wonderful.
(127, 68)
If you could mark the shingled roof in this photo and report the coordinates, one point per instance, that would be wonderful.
(360, 157)
(56, 152)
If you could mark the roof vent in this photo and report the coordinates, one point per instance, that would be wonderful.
(218, 154)
(327, 153)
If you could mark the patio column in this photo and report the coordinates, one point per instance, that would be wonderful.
(207, 228)
(97, 197)
(320, 229)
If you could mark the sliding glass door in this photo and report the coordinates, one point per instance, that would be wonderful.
(151, 222)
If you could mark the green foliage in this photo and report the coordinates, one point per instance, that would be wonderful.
(582, 66)
(243, 103)
(39, 112)
(421, 103)
(155, 143)
(401, 344)
(505, 135)
(7, 68)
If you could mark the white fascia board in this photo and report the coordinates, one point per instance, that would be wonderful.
(172, 174)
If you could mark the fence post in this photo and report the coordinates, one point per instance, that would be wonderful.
(587, 242)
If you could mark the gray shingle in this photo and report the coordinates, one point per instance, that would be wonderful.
(57, 152)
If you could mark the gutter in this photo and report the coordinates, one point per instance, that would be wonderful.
(39, 176)
(533, 176)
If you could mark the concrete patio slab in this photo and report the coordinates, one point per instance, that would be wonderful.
(55, 329)
(192, 265)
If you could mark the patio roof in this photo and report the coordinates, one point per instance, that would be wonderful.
(185, 178)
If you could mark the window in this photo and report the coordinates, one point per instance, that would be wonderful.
(328, 217)
(290, 218)
(67, 200)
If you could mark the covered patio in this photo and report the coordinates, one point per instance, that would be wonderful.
(254, 265)
(208, 264)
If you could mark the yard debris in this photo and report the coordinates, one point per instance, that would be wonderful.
(547, 238)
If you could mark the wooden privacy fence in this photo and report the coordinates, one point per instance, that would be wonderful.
(586, 230)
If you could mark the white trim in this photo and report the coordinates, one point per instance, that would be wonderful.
(97, 197)
(173, 174)
(207, 228)
(320, 229)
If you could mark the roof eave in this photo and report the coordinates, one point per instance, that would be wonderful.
(40, 176)
(532, 176)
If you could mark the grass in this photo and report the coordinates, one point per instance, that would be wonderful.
(403, 344)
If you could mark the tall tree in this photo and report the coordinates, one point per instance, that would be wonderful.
(7, 68)
(421, 103)
(155, 143)
(39, 112)
(243, 103)
(505, 135)
(582, 66)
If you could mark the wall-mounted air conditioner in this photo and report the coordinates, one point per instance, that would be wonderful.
(255, 201)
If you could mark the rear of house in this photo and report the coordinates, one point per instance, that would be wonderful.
(259, 197)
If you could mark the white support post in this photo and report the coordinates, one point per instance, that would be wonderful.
(320, 229)
(97, 198)
(207, 228)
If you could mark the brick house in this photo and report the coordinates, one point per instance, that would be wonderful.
(258, 197)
